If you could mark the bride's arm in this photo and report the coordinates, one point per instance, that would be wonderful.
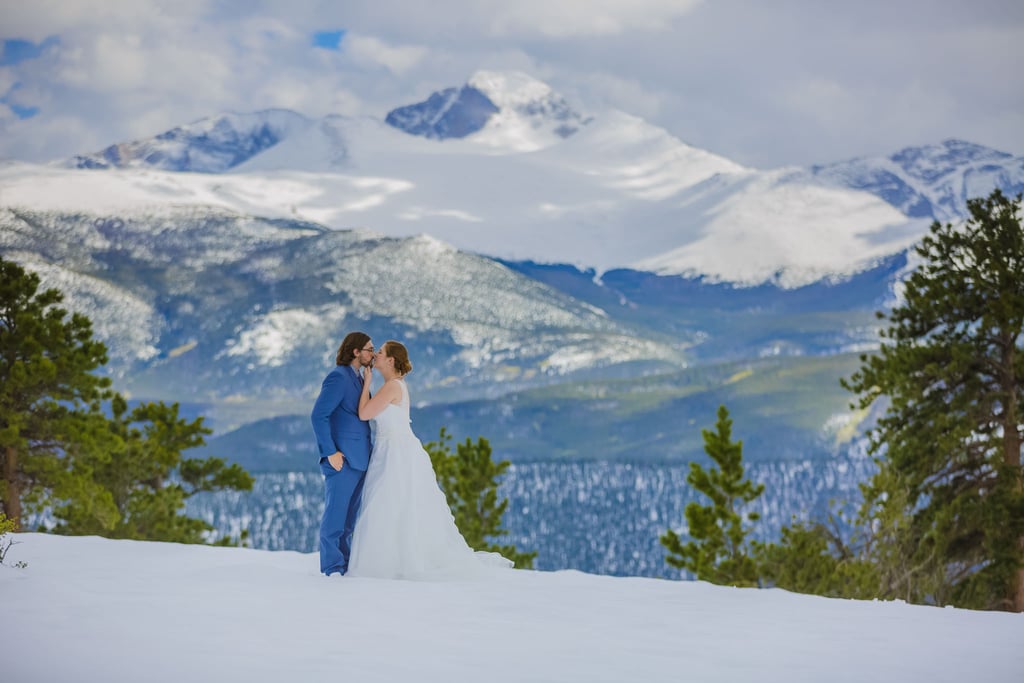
(370, 408)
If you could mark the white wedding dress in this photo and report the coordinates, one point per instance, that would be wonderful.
(405, 529)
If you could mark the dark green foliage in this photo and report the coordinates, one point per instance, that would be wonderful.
(719, 551)
(6, 527)
(814, 558)
(469, 478)
(122, 476)
(148, 478)
(949, 490)
(49, 397)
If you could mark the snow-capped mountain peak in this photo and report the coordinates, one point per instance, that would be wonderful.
(931, 162)
(511, 89)
(530, 114)
(449, 113)
(510, 111)
(209, 145)
(931, 181)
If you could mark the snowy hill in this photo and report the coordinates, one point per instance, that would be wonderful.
(239, 314)
(91, 609)
(203, 302)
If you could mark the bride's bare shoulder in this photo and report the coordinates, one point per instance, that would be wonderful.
(393, 389)
(403, 388)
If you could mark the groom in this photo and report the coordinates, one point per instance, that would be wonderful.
(344, 444)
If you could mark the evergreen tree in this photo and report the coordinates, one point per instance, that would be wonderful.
(49, 398)
(469, 478)
(148, 478)
(122, 476)
(719, 551)
(948, 496)
(813, 557)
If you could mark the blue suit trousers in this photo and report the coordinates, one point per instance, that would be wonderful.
(343, 491)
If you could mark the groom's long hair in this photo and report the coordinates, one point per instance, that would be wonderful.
(353, 342)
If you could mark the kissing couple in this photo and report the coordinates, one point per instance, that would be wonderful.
(384, 514)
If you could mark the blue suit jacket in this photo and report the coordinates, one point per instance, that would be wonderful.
(336, 420)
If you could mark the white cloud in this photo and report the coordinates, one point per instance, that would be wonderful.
(37, 138)
(645, 102)
(373, 51)
(481, 21)
(565, 18)
(7, 79)
(43, 18)
(764, 84)
(117, 63)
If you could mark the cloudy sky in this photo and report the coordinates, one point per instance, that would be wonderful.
(764, 83)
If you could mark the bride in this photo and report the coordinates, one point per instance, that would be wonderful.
(405, 528)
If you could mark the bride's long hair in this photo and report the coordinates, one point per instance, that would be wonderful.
(398, 352)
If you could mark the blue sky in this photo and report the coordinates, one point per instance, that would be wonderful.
(765, 84)
(328, 40)
(17, 50)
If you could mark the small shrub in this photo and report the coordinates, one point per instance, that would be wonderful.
(8, 526)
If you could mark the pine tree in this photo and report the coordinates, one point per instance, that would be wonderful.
(815, 558)
(149, 479)
(719, 552)
(49, 398)
(469, 478)
(122, 476)
(949, 488)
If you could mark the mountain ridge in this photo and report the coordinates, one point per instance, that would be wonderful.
(205, 305)
(614, 192)
(208, 145)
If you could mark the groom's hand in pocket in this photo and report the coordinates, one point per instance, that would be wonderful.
(337, 460)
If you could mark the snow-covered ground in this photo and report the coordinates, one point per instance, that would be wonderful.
(92, 609)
